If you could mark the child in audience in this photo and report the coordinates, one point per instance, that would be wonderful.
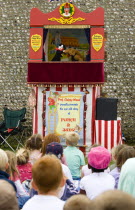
(115, 151)
(127, 177)
(114, 200)
(47, 180)
(4, 167)
(23, 164)
(124, 154)
(74, 157)
(57, 149)
(8, 200)
(52, 137)
(97, 182)
(34, 145)
(78, 202)
(14, 173)
(69, 189)
(86, 171)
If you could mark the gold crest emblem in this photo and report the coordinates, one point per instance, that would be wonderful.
(67, 10)
(36, 42)
(97, 41)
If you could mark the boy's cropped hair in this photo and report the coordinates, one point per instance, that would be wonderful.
(72, 138)
(78, 202)
(47, 174)
(22, 156)
(114, 200)
(34, 142)
(3, 160)
(8, 199)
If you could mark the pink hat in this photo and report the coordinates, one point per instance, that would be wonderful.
(99, 157)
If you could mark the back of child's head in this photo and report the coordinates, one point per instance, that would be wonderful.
(12, 160)
(78, 202)
(34, 142)
(124, 154)
(22, 156)
(117, 150)
(55, 148)
(47, 174)
(99, 158)
(8, 199)
(114, 200)
(3, 160)
(52, 137)
(71, 138)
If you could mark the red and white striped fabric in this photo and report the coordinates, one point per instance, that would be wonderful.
(106, 133)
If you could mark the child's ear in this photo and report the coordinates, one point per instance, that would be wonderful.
(63, 181)
(7, 166)
(34, 185)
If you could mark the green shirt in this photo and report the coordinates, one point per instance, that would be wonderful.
(74, 159)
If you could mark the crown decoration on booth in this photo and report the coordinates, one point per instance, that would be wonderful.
(66, 10)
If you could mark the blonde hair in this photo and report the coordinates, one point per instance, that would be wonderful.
(22, 156)
(3, 160)
(12, 160)
(72, 138)
(47, 173)
(114, 200)
(78, 202)
(34, 142)
(8, 199)
(52, 137)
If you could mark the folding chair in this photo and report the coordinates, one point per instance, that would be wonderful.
(12, 125)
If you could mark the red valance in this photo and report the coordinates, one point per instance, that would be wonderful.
(65, 73)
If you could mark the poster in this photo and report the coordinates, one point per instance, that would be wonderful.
(64, 113)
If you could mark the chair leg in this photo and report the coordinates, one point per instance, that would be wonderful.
(4, 140)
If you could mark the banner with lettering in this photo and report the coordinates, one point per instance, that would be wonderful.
(64, 113)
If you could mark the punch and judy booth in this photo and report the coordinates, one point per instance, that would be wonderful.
(66, 71)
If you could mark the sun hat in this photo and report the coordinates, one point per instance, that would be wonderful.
(99, 157)
(55, 148)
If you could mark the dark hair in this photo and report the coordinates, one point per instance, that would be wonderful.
(34, 142)
(95, 170)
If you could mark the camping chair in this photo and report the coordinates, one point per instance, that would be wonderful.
(12, 125)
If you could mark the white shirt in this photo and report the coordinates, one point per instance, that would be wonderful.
(86, 171)
(44, 202)
(96, 183)
(67, 172)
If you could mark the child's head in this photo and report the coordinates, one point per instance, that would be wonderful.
(55, 148)
(34, 142)
(3, 160)
(47, 174)
(71, 138)
(116, 150)
(98, 159)
(78, 202)
(52, 137)
(8, 199)
(124, 154)
(114, 200)
(22, 156)
(12, 160)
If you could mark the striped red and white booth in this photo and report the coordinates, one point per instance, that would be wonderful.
(106, 133)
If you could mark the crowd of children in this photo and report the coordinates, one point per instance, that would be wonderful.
(43, 175)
